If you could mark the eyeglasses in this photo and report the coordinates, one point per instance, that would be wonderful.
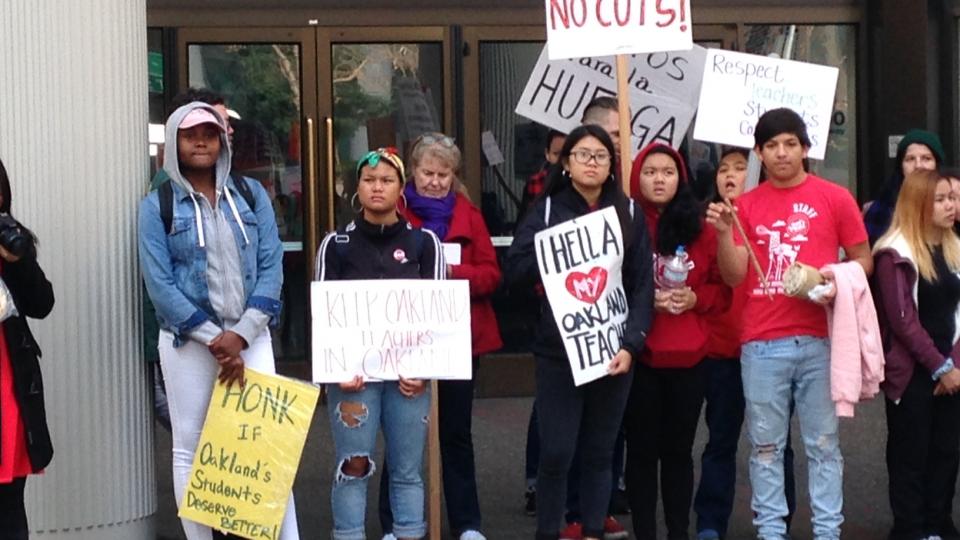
(584, 156)
(432, 137)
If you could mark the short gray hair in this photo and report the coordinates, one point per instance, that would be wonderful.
(449, 155)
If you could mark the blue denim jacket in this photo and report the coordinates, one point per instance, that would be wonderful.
(174, 265)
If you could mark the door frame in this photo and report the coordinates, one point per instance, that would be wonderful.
(326, 38)
(473, 38)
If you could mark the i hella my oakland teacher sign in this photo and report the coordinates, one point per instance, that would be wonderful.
(581, 263)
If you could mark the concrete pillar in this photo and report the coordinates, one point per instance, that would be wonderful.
(73, 119)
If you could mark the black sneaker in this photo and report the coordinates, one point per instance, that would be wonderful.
(530, 506)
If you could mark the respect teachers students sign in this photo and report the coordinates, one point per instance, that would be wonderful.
(248, 455)
(578, 28)
(738, 88)
(580, 264)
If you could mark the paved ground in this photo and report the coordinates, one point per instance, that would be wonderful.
(499, 434)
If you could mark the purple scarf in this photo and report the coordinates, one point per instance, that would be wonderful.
(435, 213)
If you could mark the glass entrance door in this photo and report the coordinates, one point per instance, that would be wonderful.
(381, 87)
(267, 78)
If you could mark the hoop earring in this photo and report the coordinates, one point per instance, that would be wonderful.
(403, 197)
(353, 206)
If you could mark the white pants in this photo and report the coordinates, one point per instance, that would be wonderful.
(190, 372)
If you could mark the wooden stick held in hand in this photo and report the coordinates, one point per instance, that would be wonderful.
(750, 254)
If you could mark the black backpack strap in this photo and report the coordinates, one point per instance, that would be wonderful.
(243, 187)
(165, 192)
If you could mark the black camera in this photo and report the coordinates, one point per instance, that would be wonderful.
(14, 237)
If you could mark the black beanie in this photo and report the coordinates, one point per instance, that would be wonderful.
(777, 121)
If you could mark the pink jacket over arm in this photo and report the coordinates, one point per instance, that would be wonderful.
(856, 349)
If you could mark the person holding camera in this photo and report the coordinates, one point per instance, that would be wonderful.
(25, 446)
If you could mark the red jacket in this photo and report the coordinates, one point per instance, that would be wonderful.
(680, 341)
(478, 265)
(724, 342)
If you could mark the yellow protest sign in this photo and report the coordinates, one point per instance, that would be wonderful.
(248, 455)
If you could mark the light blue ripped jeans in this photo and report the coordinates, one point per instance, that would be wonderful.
(404, 423)
(774, 372)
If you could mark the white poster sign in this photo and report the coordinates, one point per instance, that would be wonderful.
(740, 87)
(579, 28)
(664, 89)
(581, 264)
(382, 329)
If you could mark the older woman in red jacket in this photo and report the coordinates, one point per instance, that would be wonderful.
(668, 383)
(435, 201)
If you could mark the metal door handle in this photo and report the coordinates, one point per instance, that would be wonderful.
(310, 195)
(331, 192)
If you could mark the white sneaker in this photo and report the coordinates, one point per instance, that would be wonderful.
(389, 537)
(472, 535)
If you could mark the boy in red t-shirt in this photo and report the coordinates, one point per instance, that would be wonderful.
(785, 354)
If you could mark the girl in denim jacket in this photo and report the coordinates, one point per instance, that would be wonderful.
(214, 277)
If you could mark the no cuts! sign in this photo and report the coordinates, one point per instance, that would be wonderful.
(664, 88)
(384, 329)
(581, 264)
(578, 28)
(740, 87)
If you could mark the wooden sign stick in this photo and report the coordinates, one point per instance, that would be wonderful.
(750, 254)
(623, 106)
(433, 462)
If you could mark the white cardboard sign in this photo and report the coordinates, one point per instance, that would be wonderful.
(738, 88)
(382, 329)
(578, 28)
(664, 89)
(581, 263)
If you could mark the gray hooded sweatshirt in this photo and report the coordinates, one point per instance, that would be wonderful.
(224, 268)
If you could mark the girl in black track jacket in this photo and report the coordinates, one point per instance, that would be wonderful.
(587, 416)
(379, 244)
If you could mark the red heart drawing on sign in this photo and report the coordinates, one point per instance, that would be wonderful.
(587, 287)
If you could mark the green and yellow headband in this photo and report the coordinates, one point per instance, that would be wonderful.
(388, 154)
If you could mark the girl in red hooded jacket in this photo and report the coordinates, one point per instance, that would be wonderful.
(668, 384)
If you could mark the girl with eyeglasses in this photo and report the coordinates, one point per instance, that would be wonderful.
(378, 244)
(581, 418)
(668, 382)
(436, 201)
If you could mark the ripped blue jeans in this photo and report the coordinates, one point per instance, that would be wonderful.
(355, 418)
(774, 372)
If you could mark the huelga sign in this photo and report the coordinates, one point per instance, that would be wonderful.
(581, 263)
(663, 91)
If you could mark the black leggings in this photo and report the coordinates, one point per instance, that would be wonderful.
(13, 515)
(585, 418)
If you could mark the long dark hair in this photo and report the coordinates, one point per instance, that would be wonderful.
(4, 189)
(681, 221)
(558, 179)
